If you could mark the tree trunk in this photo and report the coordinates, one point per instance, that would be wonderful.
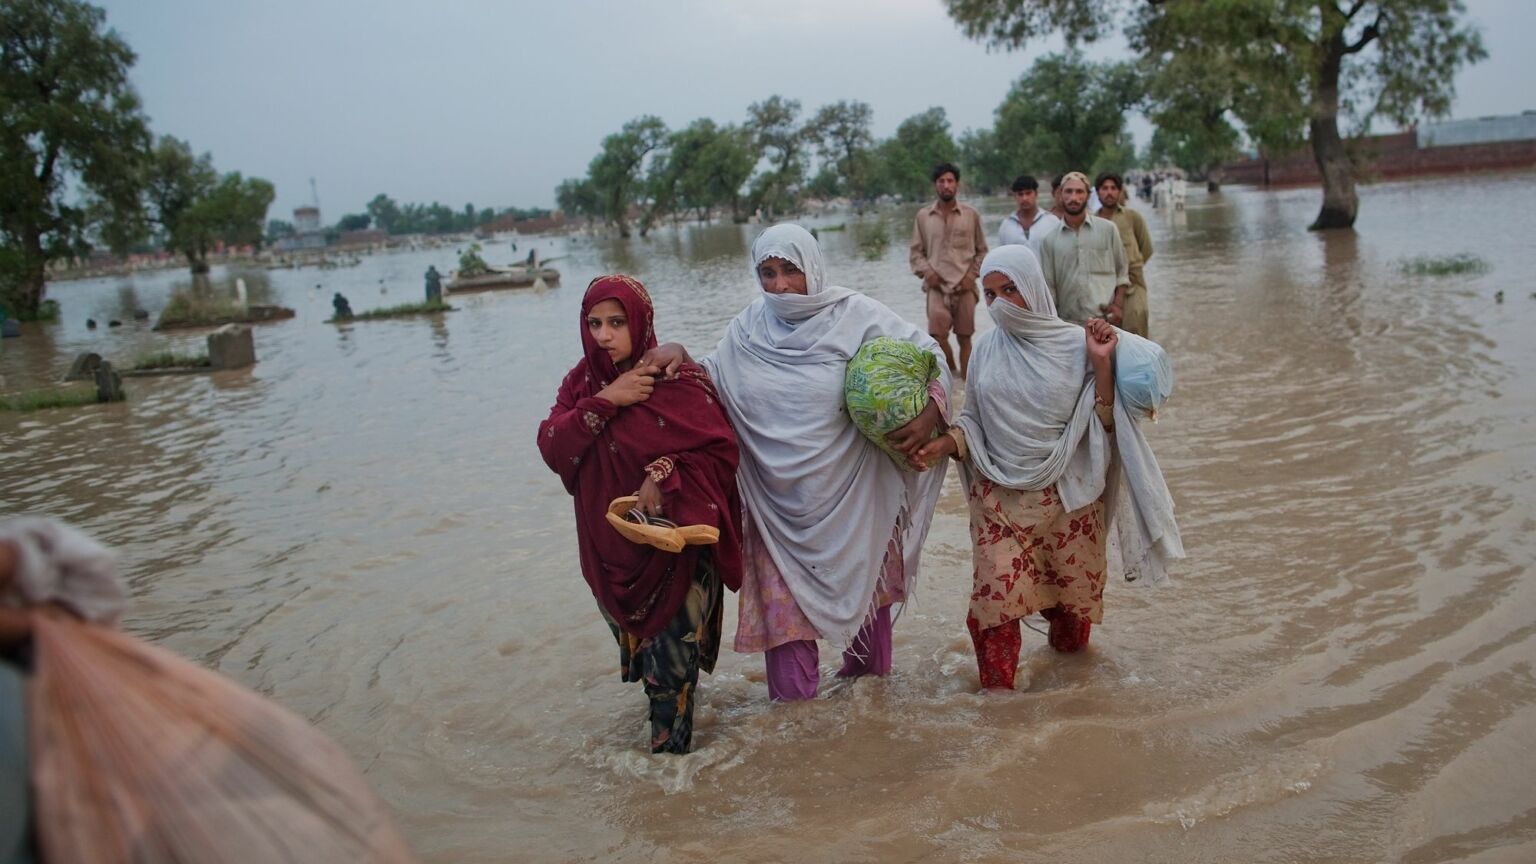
(1340, 203)
(33, 278)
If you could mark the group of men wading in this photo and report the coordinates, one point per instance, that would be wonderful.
(1093, 262)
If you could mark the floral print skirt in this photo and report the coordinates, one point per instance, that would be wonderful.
(1031, 555)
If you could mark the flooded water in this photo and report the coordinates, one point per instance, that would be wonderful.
(1343, 670)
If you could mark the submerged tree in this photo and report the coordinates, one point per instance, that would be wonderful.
(194, 209)
(779, 137)
(1066, 113)
(841, 132)
(907, 158)
(1299, 65)
(72, 137)
(618, 172)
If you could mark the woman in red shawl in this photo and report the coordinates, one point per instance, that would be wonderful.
(615, 429)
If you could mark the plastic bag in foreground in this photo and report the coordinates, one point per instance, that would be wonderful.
(139, 756)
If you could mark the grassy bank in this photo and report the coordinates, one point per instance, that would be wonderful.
(1444, 265)
(404, 310)
(61, 397)
(186, 309)
(170, 360)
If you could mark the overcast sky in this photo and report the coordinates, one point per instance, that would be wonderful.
(494, 102)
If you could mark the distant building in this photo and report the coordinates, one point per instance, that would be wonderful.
(1457, 146)
(307, 233)
(306, 219)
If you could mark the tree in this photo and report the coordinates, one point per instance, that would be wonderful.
(1065, 113)
(907, 158)
(986, 167)
(384, 212)
(778, 136)
(194, 209)
(841, 132)
(354, 222)
(72, 138)
(577, 198)
(1191, 97)
(617, 172)
(723, 167)
(1298, 65)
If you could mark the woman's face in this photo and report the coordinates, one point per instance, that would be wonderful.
(997, 284)
(610, 329)
(778, 276)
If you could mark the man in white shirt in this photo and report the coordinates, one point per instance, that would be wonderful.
(1028, 225)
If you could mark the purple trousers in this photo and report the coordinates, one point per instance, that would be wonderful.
(792, 667)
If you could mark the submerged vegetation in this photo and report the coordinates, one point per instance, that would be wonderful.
(470, 262)
(874, 242)
(1445, 265)
(197, 309)
(170, 360)
(58, 397)
(402, 311)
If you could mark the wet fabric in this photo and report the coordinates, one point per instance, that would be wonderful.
(794, 674)
(679, 436)
(1032, 554)
(886, 387)
(823, 499)
(55, 563)
(668, 662)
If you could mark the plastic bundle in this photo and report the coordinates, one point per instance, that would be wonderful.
(139, 755)
(1143, 374)
(886, 387)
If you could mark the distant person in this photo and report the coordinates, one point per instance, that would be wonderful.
(1057, 210)
(342, 307)
(1138, 246)
(1084, 260)
(434, 285)
(948, 244)
(1027, 225)
(616, 427)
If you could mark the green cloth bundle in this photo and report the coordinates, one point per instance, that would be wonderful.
(887, 387)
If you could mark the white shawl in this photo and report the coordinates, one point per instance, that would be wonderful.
(1029, 422)
(823, 498)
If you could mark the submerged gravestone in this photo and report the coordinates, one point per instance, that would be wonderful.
(109, 384)
(84, 368)
(231, 347)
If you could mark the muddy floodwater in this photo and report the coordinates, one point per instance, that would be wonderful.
(1344, 669)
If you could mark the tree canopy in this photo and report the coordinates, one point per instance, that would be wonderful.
(72, 135)
(1287, 70)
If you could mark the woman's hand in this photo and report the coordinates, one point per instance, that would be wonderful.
(650, 498)
(1102, 339)
(937, 449)
(631, 387)
(910, 437)
(667, 357)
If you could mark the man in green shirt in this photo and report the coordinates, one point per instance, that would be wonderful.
(1084, 261)
(1138, 247)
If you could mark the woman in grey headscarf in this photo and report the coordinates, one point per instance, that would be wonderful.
(834, 527)
(1046, 449)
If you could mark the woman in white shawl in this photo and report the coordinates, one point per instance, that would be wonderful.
(834, 527)
(1045, 447)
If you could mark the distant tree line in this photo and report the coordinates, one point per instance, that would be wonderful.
(1064, 113)
(81, 168)
(385, 214)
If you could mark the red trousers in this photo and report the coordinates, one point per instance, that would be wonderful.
(997, 648)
